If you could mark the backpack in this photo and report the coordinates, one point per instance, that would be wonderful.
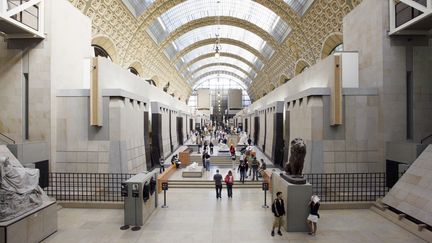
(273, 207)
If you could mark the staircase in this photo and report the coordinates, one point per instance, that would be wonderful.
(420, 229)
(219, 161)
(211, 184)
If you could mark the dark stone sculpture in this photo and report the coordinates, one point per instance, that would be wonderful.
(294, 168)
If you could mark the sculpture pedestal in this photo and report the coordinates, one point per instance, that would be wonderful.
(296, 198)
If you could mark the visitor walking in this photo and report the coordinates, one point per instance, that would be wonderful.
(162, 165)
(313, 217)
(242, 168)
(218, 183)
(255, 165)
(232, 150)
(249, 141)
(207, 162)
(211, 147)
(229, 181)
(278, 209)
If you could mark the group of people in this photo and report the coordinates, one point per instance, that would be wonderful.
(251, 164)
(278, 209)
(229, 181)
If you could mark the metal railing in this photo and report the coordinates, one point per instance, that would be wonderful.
(96, 187)
(105, 187)
(348, 187)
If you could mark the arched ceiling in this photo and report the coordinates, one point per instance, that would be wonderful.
(219, 73)
(254, 66)
(173, 38)
(203, 67)
(222, 41)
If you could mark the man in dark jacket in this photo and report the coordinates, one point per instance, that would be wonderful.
(218, 183)
(278, 209)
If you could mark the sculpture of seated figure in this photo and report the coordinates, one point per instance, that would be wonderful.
(19, 190)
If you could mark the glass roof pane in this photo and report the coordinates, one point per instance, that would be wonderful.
(137, 7)
(243, 9)
(221, 59)
(225, 48)
(216, 68)
(220, 82)
(220, 73)
(299, 6)
(225, 31)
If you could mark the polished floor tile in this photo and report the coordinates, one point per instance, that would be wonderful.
(194, 215)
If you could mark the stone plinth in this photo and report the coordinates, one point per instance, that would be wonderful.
(193, 172)
(296, 198)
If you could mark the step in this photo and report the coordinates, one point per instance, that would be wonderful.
(212, 186)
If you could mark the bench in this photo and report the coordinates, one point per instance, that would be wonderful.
(164, 176)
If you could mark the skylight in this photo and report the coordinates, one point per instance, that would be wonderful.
(247, 10)
(299, 6)
(137, 7)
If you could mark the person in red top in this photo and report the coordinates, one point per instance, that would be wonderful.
(232, 150)
(229, 181)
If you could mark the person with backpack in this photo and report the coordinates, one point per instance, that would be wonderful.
(278, 209)
(229, 181)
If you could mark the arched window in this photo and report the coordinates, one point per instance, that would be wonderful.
(133, 70)
(338, 48)
(100, 52)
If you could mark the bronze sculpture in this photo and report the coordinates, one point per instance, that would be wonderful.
(294, 167)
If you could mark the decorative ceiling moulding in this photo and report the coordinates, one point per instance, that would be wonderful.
(219, 64)
(222, 54)
(224, 20)
(330, 43)
(108, 45)
(222, 41)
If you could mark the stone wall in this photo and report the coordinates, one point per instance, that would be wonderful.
(117, 146)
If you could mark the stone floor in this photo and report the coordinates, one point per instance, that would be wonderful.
(194, 215)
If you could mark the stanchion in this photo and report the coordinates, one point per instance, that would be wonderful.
(164, 188)
(265, 187)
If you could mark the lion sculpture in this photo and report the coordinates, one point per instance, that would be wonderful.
(296, 160)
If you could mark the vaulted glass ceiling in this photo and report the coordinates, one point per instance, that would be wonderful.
(225, 48)
(225, 31)
(191, 10)
(137, 7)
(217, 68)
(220, 73)
(222, 59)
(299, 6)
(246, 11)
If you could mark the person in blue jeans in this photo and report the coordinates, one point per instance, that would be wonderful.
(207, 163)
(242, 168)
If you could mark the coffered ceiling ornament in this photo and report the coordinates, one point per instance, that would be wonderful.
(231, 21)
(307, 30)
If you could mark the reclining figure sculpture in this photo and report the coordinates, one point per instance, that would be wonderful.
(19, 190)
(294, 167)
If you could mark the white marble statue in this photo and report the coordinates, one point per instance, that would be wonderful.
(19, 190)
(243, 138)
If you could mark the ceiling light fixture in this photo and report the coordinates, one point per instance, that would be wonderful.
(217, 46)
